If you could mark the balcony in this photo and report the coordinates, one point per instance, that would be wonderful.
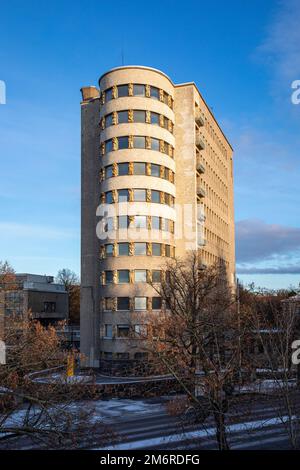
(201, 241)
(200, 213)
(199, 142)
(200, 167)
(200, 190)
(198, 118)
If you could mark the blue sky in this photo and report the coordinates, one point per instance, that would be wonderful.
(243, 55)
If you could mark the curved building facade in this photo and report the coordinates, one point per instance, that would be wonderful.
(144, 191)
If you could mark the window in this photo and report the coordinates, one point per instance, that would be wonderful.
(166, 97)
(109, 277)
(123, 303)
(166, 122)
(139, 168)
(156, 249)
(154, 144)
(138, 90)
(109, 303)
(109, 250)
(165, 225)
(140, 303)
(156, 303)
(108, 94)
(123, 249)
(155, 196)
(156, 275)
(122, 91)
(122, 356)
(139, 356)
(108, 355)
(122, 117)
(155, 118)
(109, 224)
(49, 307)
(139, 142)
(140, 275)
(108, 331)
(139, 195)
(123, 331)
(109, 171)
(108, 146)
(140, 221)
(109, 197)
(155, 222)
(123, 142)
(168, 251)
(123, 195)
(154, 92)
(108, 120)
(123, 276)
(139, 116)
(123, 222)
(140, 330)
(140, 249)
(123, 169)
(155, 170)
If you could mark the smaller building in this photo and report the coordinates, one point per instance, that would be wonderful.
(36, 295)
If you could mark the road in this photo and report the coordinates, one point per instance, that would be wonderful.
(154, 428)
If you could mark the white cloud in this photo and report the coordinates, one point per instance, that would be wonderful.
(281, 47)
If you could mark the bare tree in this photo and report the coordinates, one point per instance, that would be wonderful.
(70, 281)
(197, 337)
(275, 325)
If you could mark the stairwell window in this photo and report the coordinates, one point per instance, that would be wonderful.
(140, 303)
(108, 333)
(109, 278)
(123, 276)
(139, 195)
(154, 92)
(139, 116)
(122, 91)
(156, 249)
(140, 249)
(123, 169)
(123, 303)
(139, 142)
(123, 249)
(109, 250)
(140, 275)
(138, 90)
(123, 195)
(122, 117)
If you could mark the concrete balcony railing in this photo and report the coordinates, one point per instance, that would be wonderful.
(200, 190)
(200, 167)
(199, 142)
(199, 118)
(201, 241)
(200, 213)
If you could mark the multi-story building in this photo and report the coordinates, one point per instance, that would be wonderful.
(157, 182)
(35, 295)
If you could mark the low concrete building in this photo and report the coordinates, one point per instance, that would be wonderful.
(36, 295)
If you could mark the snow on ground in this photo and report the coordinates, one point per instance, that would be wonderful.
(250, 426)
